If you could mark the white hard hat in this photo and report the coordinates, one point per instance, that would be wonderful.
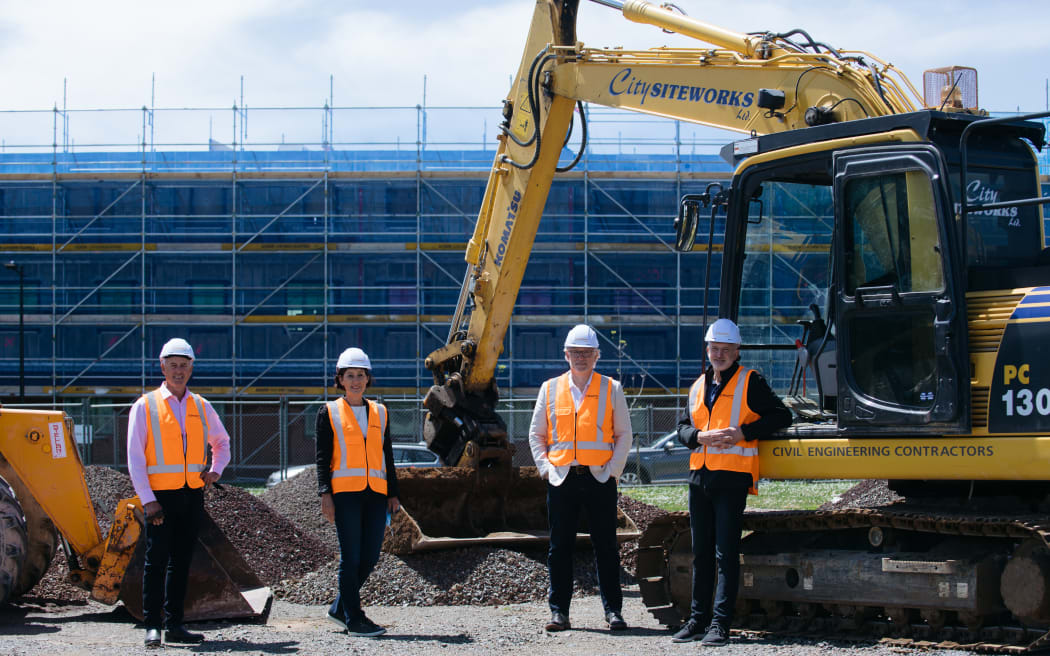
(353, 357)
(176, 346)
(723, 330)
(582, 336)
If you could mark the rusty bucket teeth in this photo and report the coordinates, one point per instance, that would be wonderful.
(452, 507)
(221, 584)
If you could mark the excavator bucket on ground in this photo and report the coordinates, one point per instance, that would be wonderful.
(451, 507)
(221, 584)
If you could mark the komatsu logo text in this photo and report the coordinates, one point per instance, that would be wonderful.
(508, 225)
(625, 83)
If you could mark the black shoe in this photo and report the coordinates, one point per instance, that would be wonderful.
(152, 638)
(364, 628)
(689, 632)
(335, 619)
(180, 635)
(615, 621)
(716, 636)
(559, 622)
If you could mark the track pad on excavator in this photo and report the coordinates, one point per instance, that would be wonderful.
(221, 584)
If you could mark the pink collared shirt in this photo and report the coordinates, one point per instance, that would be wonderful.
(218, 438)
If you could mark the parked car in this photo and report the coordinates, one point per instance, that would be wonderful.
(663, 461)
(405, 455)
(415, 455)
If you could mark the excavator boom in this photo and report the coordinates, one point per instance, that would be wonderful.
(754, 83)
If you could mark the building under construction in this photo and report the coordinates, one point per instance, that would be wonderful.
(271, 257)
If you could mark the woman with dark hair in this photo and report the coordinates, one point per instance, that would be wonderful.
(357, 483)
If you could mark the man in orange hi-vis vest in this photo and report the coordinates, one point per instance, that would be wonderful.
(580, 437)
(730, 409)
(169, 432)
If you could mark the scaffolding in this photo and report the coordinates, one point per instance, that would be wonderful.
(277, 247)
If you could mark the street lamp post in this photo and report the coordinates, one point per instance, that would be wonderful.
(19, 269)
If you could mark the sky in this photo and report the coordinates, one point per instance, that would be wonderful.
(377, 53)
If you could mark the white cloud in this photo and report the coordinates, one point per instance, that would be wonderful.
(379, 53)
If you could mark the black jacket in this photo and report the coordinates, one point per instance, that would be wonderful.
(773, 415)
(326, 445)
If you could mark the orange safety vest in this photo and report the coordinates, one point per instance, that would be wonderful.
(357, 458)
(584, 435)
(730, 409)
(170, 464)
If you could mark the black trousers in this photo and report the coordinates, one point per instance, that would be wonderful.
(360, 525)
(715, 518)
(169, 549)
(580, 491)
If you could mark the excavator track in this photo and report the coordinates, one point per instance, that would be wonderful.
(946, 579)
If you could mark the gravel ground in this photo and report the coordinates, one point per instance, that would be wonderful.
(91, 629)
(865, 494)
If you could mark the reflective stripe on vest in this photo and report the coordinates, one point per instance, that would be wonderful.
(169, 461)
(356, 453)
(588, 437)
(742, 456)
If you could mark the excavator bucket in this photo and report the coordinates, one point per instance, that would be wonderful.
(221, 584)
(450, 507)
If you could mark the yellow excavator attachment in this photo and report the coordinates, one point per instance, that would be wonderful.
(450, 507)
(40, 462)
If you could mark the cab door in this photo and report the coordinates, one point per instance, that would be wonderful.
(900, 316)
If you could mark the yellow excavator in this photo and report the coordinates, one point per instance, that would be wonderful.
(44, 495)
(928, 343)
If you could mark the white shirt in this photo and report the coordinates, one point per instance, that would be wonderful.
(623, 435)
(218, 438)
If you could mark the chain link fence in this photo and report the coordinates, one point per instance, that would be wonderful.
(269, 436)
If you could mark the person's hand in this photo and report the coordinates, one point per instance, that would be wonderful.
(328, 507)
(727, 437)
(154, 513)
(209, 477)
(393, 505)
(706, 438)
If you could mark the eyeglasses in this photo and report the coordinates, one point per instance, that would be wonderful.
(581, 354)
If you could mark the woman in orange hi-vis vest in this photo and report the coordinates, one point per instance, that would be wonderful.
(730, 409)
(357, 483)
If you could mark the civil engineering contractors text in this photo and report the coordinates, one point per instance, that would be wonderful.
(884, 451)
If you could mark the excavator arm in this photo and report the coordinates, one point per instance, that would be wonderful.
(755, 83)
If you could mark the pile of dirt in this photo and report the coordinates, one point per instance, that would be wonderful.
(273, 547)
(473, 576)
(865, 494)
(642, 514)
(288, 543)
(296, 500)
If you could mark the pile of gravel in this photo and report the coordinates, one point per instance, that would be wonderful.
(642, 514)
(485, 576)
(272, 546)
(468, 576)
(288, 543)
(296, 500)
(865, 494)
